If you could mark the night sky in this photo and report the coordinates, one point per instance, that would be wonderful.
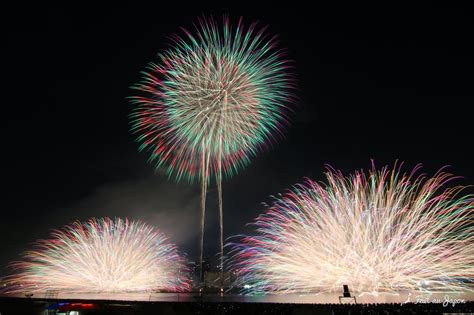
(373, 83)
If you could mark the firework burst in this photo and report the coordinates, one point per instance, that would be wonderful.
(213, 101)
(102, 255)
(384, 231)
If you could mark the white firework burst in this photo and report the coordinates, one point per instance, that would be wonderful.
(101, 255)
(381, 232)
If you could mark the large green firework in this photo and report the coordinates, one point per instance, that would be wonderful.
(211, 102)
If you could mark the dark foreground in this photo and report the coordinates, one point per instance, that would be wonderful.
(32, 306)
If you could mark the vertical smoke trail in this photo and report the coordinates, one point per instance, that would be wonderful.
(205, 168)
(221, 226)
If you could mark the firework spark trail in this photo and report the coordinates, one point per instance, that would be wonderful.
(384, 231)
(102, 255)
(216, 98)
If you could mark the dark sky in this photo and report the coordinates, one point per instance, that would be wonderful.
(381, 83)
